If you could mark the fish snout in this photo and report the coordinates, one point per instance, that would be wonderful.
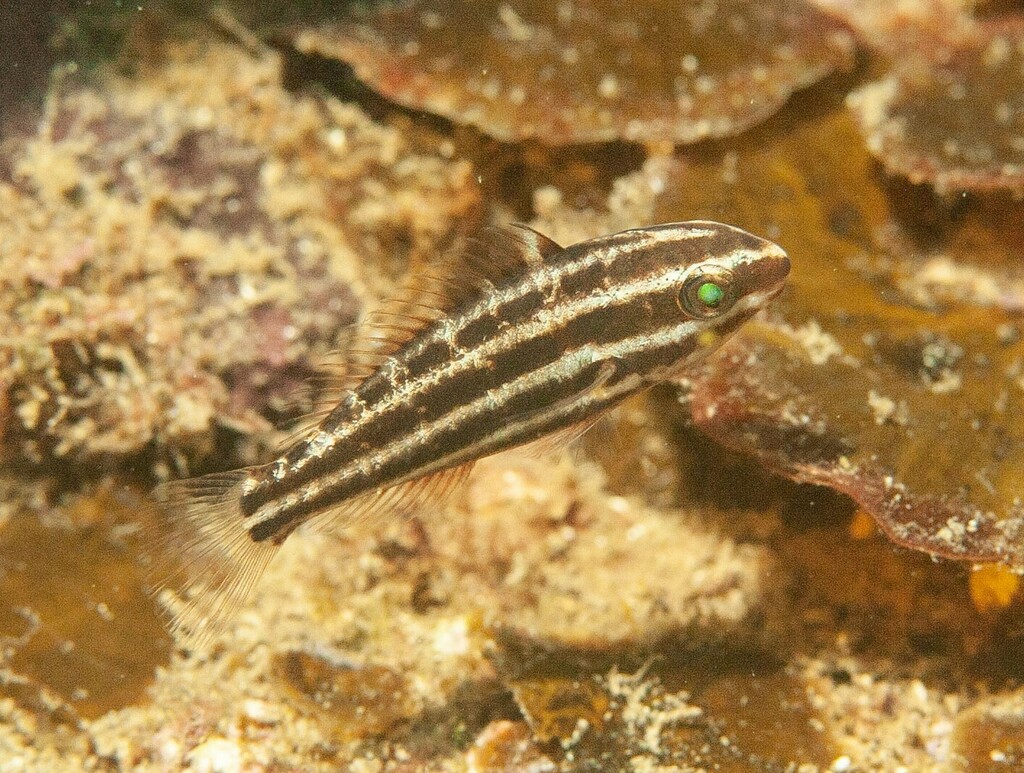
(772, 269)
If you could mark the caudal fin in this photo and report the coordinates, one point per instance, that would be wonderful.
(202, 562)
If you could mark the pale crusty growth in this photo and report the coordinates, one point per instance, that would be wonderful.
(691, 583)
(595, 71)
(417, 605)
(178, 247)
(898, 26)
(420, 601)
(885, 724)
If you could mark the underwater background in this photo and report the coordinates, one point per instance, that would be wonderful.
(802, 556)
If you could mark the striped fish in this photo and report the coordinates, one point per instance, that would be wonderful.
(519, 339)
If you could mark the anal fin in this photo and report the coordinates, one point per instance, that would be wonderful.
(404, 498)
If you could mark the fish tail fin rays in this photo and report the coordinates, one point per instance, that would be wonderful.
(202, 562)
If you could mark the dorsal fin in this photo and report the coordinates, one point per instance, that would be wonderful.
(497, 253)
(490, 257)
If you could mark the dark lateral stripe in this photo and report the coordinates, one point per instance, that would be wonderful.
(502, 428)
(392, 422)
(468, 437)
(528, 343)
(611, 313)
(663, 348)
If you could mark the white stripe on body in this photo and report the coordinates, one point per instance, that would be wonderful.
(565, 368)
(543, 322)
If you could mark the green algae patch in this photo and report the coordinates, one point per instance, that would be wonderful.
(901, 392)
(593, 71)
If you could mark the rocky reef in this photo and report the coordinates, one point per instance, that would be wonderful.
(804, 555)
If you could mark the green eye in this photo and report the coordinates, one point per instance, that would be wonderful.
(708, 291)
(710, 294)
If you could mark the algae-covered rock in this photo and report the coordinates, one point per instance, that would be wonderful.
(952, 118)
(589, 71)
(908, 408)
(889, 369)
(180, 246)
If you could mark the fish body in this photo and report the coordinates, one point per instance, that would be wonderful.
(520, 340)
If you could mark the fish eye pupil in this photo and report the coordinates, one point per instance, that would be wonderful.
(710, 294)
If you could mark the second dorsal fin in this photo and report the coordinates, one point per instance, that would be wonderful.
(497, 253)
(491, 257)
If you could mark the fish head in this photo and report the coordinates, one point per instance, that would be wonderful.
(702, 281)
(730, 276)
